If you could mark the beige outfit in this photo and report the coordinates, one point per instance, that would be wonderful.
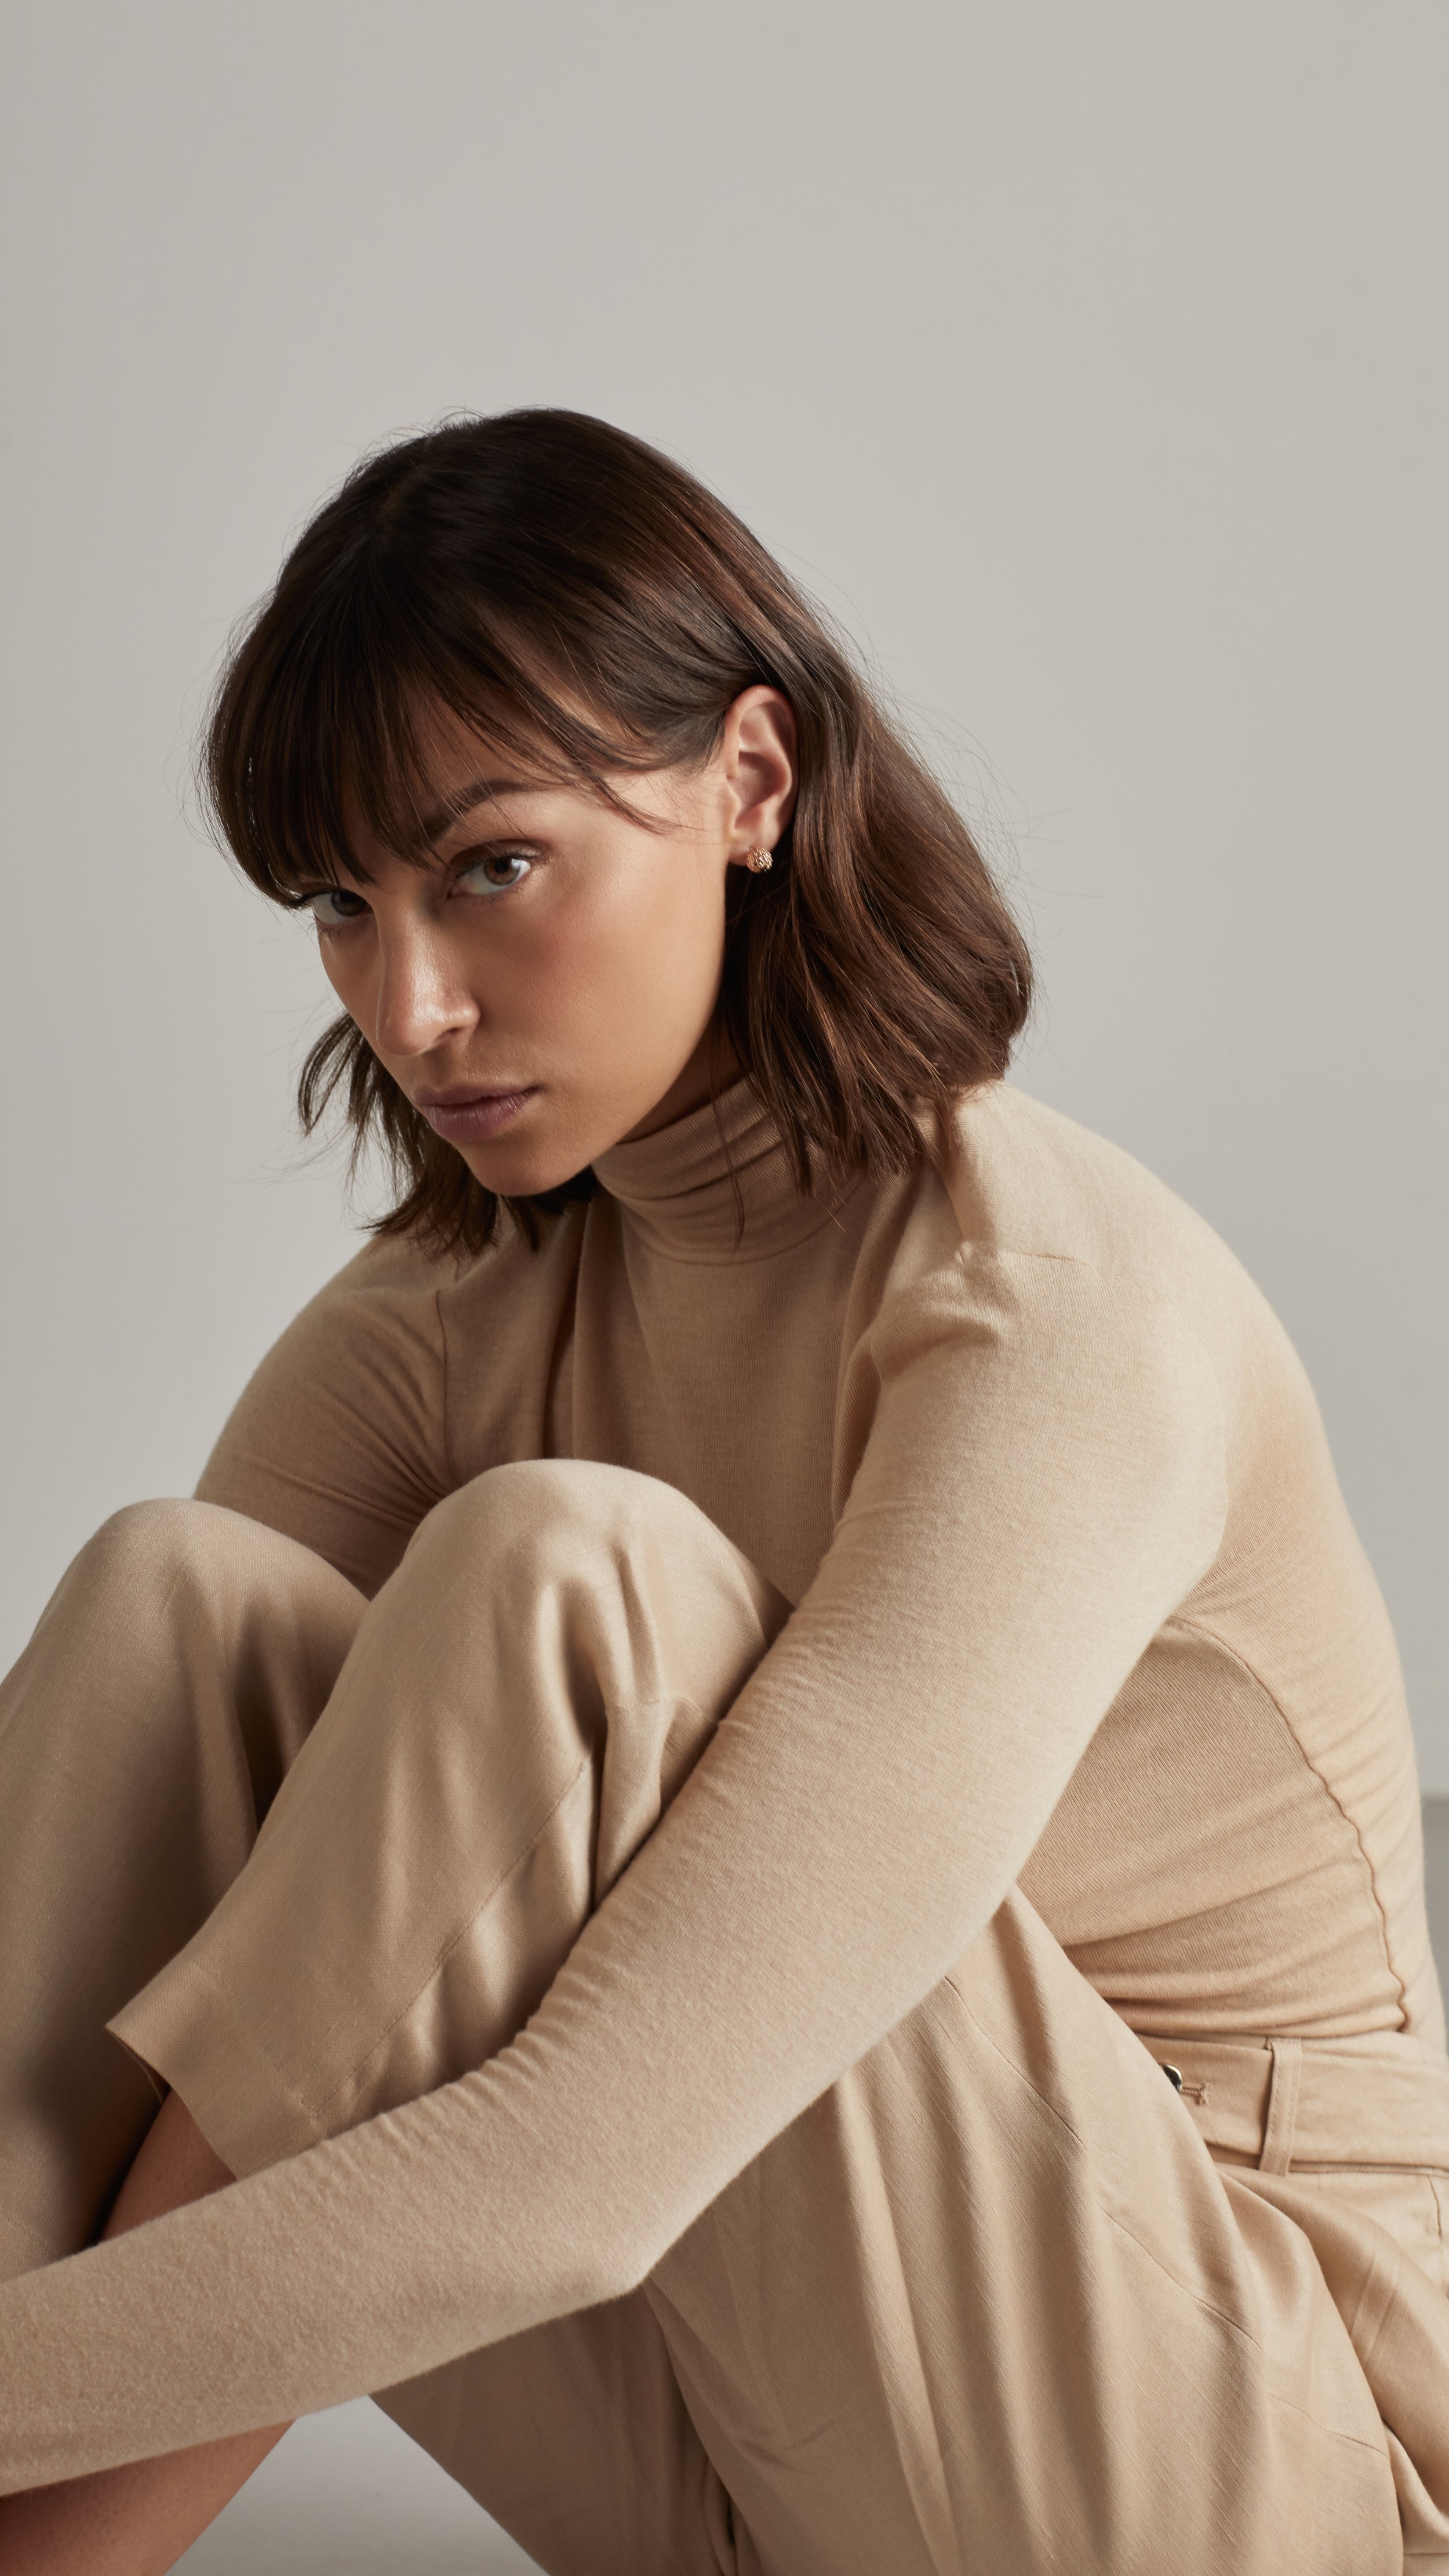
(738, 1892)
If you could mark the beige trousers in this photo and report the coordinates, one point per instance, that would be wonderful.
(988, 2304)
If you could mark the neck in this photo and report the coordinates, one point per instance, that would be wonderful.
(715, 1184)
(710, 1069)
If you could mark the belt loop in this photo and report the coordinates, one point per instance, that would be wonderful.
(1283, 2084)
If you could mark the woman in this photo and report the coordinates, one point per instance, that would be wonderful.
(835, 1975)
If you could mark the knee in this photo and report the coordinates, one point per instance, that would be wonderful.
(636, 1574)
(183, 1622)
(190, 1572)
(114, 1655)
(537, 1517)
(148, 1547)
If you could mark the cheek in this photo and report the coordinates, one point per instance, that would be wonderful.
(344, 966)
(550, 978)
(651, 950)
(629, 967)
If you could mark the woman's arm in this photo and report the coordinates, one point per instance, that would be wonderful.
(145, 2514)
(1043, 1484)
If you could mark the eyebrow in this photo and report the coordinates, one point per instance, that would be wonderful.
(479, 791)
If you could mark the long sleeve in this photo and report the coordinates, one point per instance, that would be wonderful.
(338, 1440)
(1042, 1485)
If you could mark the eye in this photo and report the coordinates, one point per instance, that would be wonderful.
(495, 872)
(332, 906)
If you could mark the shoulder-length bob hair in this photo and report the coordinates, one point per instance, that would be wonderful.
(584, 603)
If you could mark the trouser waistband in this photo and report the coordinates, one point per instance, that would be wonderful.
(1382, 2099)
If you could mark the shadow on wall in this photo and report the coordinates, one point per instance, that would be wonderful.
(1436, 1880)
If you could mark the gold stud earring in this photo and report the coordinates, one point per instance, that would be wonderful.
(759, 860)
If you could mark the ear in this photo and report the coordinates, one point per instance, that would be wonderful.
(758, 758)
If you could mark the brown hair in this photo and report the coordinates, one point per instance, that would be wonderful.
(514, 571)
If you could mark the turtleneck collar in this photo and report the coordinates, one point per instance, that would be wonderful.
(676, 1187)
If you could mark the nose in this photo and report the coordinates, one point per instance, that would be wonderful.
(420, 997)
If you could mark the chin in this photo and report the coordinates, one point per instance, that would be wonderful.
(541, 1152)
(523, 1176)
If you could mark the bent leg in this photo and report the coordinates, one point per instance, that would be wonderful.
(143, 1732)
(987, 2303)
(522, 1700)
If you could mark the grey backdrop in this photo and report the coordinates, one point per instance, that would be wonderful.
(1088, 363)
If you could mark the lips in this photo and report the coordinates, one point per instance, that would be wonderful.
(464, 1113)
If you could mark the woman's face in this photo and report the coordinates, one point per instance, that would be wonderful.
(545, 984)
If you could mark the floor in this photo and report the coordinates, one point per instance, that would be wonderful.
(347, 2494)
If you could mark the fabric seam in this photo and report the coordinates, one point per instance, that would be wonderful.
(1200, 1628)
(454, 1938)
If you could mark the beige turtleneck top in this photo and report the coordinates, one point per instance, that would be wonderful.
(1078, 1604)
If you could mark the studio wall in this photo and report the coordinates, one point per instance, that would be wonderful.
(1088, 365)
